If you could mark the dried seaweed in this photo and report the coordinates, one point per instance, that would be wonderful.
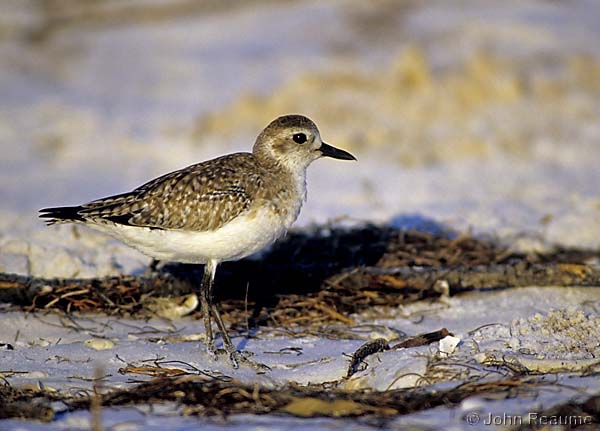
(205, 397)
(321, 277)
(25, 403)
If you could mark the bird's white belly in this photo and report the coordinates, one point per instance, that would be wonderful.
(239, 238)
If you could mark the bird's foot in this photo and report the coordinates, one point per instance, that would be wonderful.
(212, 351)
(237, 357)
(240, 357)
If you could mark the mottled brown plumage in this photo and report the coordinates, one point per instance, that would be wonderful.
(200, 197)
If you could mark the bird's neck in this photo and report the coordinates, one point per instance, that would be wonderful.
(288, 180)
(281, 166)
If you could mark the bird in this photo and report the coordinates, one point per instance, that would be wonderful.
(214, 211)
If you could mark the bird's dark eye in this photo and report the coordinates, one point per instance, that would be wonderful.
(299, 138)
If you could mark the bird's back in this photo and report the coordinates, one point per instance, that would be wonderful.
(200, 197)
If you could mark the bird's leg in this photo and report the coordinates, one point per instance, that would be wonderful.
(235, 356)
(153, 267)
(205, 304)
(209, 309)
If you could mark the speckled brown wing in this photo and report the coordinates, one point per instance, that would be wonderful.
(201, 197)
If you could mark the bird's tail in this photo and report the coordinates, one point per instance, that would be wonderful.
(61, 215)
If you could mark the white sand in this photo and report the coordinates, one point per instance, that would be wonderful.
(98, 110)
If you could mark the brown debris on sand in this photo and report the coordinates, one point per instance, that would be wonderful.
(25, 403)
(201, 396)
(321, 277)
(381, 345)
(303, 283)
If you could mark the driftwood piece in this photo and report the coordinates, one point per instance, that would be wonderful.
(423, 339)
(365, 350)
(381, 345)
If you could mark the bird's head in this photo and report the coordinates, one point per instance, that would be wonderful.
(294, 141)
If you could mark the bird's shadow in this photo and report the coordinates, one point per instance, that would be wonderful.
(419, 223)
(302, 261)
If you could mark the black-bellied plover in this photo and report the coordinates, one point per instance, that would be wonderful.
(219, 210)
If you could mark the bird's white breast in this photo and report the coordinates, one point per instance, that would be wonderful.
(241, 237)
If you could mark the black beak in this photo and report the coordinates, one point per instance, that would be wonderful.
(329, 151)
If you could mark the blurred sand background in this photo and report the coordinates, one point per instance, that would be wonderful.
(477, 116)
(470, 115)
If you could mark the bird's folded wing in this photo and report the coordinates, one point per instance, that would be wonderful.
(195, 198)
